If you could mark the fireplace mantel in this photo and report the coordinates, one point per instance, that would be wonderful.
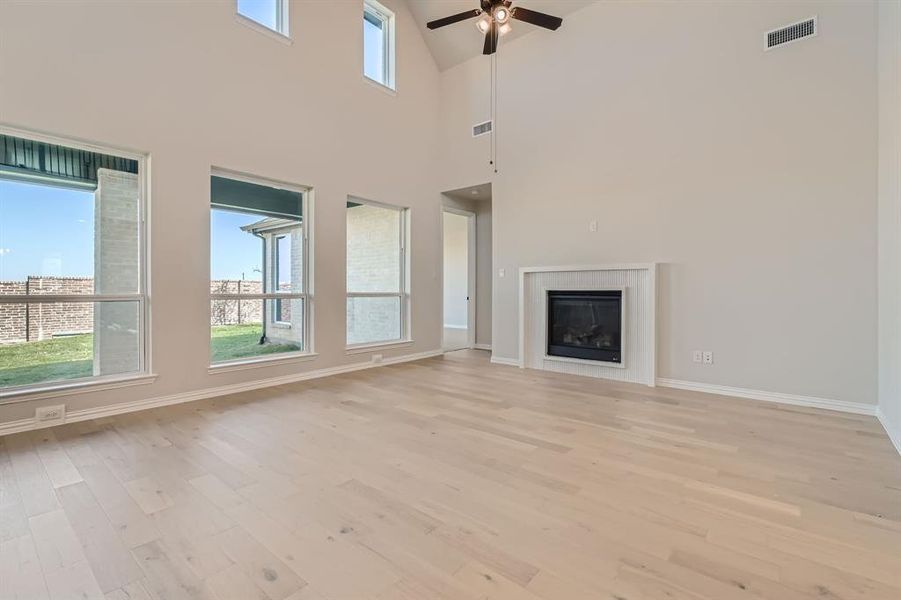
(639, 282)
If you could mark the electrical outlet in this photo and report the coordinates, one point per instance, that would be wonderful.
(708, 358)
(50, 413)
(376, 358)
(593, 226)
(697, 356)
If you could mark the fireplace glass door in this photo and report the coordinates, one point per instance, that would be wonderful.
(585, 324)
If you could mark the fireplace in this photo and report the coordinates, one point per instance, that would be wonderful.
(585, 324)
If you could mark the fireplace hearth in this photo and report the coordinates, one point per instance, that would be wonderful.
(585, 324)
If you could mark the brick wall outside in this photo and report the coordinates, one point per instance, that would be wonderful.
(235, 312)
(43, 321)
(373, 258)
(117, 224)
(48, 320)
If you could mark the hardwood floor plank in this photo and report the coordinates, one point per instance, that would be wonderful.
(149, 495)
(454, 479)
(21, 576)
(65, 568)
(105, 551)
(35, 488)
(59, 468)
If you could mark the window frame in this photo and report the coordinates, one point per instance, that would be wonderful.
(276, 259)
(26, 392)
(381, 13)
(282, 20)
(308, 351)
(403, 293)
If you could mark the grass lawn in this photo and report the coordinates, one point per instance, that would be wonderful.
(59, 358)
(229, 342)
(71, 357)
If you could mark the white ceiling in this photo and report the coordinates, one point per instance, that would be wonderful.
(473, 192)
(459, 42)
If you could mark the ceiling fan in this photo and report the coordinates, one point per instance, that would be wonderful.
(495, 20)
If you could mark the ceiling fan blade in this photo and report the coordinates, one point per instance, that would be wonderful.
(469, 14)
(491, 36)
(536, 18)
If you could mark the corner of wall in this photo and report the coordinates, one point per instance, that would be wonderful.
(889, 217)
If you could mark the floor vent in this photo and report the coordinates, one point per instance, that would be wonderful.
(481, 129)
(791, 33)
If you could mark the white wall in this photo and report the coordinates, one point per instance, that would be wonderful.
(749, 175)
(189, 84)
(890, 218)
(456, 270)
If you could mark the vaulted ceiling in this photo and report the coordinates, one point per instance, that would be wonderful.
(457, 43)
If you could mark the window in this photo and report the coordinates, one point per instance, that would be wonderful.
(281, 272)
(272, 14)
(378, 43)
(72, 290)
(377, 296)
(259, 241)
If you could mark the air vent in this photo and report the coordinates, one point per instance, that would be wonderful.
(481, 129)
(791, 33)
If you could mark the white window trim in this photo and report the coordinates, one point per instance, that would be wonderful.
(403, 292)
(282, 33)
(388, 19)
(364, 348)
(274, 265)
(243, 364)
(144, 374)
(308, 351)
(69, 387)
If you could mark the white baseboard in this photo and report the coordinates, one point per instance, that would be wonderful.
(126, 407)
(793, 399)
(500, 360)
(482, 347)
(893, 434)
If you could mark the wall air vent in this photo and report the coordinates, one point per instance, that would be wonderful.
(791, 33)
(481, 129)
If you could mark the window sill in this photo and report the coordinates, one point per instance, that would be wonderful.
(255, 363)
(391, 91)
(260, 28)
(363, 348)
(69, 388)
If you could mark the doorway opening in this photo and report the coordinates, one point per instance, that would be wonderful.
(467, 268)
(459, 278)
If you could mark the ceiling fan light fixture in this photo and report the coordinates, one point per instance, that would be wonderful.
(483, 24)
(504, 29)
(501, 14)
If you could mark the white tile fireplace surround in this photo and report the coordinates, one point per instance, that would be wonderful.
(638, 283)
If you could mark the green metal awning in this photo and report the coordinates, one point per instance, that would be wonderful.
(244, 196)
(28, 159)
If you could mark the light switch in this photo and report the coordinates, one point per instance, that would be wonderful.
(501, 273)
(593, 226)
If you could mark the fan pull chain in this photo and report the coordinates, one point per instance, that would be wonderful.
(493, 149)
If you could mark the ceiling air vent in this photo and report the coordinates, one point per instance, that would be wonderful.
(481, 129)
(791, 33)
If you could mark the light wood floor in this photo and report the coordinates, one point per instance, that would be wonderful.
(453, 478)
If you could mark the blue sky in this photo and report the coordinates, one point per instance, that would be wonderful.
(372, 51)
(261, 11)
(234, 254)
(50, 231)
(45, 231)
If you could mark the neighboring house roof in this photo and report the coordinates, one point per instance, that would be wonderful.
(270, 224)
